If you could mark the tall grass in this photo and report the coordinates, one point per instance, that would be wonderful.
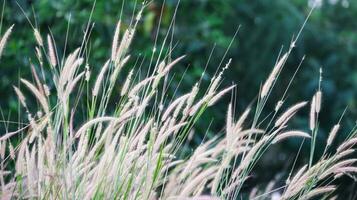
(131, 150)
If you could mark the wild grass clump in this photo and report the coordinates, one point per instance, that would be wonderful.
(131, 150)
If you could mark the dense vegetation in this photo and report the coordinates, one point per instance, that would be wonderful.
(266, 28)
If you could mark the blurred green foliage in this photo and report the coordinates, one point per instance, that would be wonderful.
(329, 40)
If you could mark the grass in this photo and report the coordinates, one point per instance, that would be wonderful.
(133, 151)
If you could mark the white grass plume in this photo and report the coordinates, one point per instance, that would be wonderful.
(51, 51)
(289, 113)
(273, 75)
(5, 38)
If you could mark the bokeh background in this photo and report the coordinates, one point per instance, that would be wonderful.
(329, 41)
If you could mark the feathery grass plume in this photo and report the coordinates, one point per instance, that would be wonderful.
(38, 37)
(219, 95)
(124, 44)
(289, 134)
(88, 72)
(40, 97)
(12, 151)
(242, 118)
(161, 67)
(39, 55)
(51, 51)
(21, 96)
(100, 78)
(216, 80)
(117, 69)
(347, 144)
(69, 68)
(11, 134)
(318, 191)
(115, 41)
(278, 105)
(144, 104)
(163, 70)
(289, 113)
(173, 105)
(178, 108)
(93, 122)
(315, 109)
(191, 99)
(127, 38)
(4, 39)
(344, 153)
(297, 175)
(318, 101)
(127, 82)
(159, 73)
(73, 83)
(332, 134)
(337, 168)
(345, 170)
(201, 177)
(139, 86)
(2, 149)
(46, 90)
(37, 79)
(195, 108)
(313, 113)
(229, 123)
(169, 66)
(273, 75)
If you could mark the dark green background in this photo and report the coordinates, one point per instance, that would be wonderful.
(329, 40)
